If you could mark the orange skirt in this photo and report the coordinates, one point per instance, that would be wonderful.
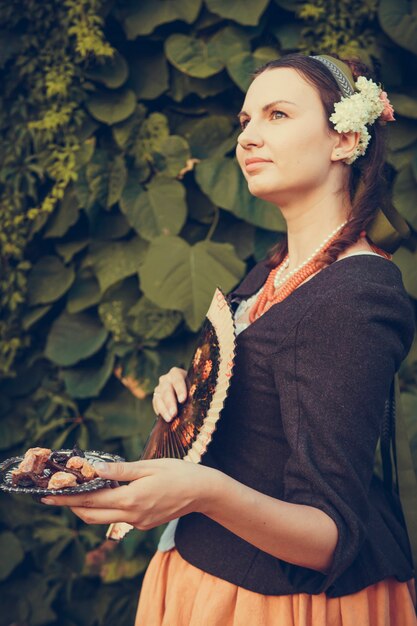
(175, 593)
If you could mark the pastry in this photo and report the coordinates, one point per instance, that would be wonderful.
(59, 480)
(53, 469)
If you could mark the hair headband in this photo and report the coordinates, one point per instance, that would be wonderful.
(341, 72)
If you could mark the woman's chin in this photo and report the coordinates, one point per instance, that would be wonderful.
(262, 191)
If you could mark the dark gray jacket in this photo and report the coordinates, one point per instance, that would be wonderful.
(301, 423)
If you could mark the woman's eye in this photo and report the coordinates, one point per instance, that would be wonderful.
(276, 115)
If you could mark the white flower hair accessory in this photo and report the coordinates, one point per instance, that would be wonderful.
(354, 112)
(362, 103)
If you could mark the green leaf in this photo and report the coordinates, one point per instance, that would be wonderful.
(400, 159)
(117, 413)
(60, 440)
(161, 210)
(117, 180)
(143, 368)
(183, 85)
(32, 316)
(407, 262)
(85, 152)
(52, 530)
(11, 44)
(399, 20)
(414, 165)
(81, 188)
(89, 378)
(149, 76)
(192, 56)
(409, 406)
(405, 195)
(178, 276)
(240, 234)
(65, 216)
(118, 567)
(73, 338)
(289, 35)
(11, 553)
(116, 260)
(125, 132)
(229, 41)
(402, 134)
(106, 178)
(97, 176)
(111, 71)
(172, 155)
(145, 140)
(242, 11)
(264, 240)
(149, 321)
(28, 376)
(206, 136)
(85, 292)
(148, 14)
(113, 317)
(29, 602)
(404, 105)
(133, 446)
(111, 107)
(200, 207)
(242, 66)
(223, 182)
(107, 226)
(68, 249)
(290, 5)
(48, 280)
(12, 431)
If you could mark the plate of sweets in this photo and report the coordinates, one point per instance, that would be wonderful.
(42, 472)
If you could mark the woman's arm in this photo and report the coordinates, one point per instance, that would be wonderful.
(296, 533)
(163, 489)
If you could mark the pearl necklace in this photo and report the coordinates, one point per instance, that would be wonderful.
(278, 282)
(277, 288)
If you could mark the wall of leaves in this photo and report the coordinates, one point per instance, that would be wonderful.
(122, 209)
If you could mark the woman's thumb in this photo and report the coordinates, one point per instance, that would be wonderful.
(118, 471)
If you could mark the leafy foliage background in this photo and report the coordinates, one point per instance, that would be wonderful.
(122, 209)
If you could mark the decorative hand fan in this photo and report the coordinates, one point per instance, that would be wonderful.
(189, 433)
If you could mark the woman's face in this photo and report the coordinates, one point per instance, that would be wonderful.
(285, 147)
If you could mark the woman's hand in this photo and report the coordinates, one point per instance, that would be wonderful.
(172, 388)
(159, 490)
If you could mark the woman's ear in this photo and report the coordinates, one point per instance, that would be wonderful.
(344, 145)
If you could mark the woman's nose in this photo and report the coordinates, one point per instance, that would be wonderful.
(249, 137)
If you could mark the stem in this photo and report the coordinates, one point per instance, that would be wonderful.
(213, 224)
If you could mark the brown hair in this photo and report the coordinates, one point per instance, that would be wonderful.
(367, 182)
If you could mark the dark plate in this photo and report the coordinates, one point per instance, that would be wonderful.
(92, 456)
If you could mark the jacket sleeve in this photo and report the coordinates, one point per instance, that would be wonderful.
(333, 382)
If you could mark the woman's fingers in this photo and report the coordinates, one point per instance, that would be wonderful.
(102, 498)
(162, 403)
(178, 381)
(102, 516)
(172, 387)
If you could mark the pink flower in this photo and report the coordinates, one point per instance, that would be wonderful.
(387, 114)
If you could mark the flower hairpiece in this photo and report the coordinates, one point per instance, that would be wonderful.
(352, 113)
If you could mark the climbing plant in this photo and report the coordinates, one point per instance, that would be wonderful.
(118, 124)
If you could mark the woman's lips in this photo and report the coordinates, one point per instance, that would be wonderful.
(255, 163)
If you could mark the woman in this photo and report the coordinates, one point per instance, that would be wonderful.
(283, 523)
